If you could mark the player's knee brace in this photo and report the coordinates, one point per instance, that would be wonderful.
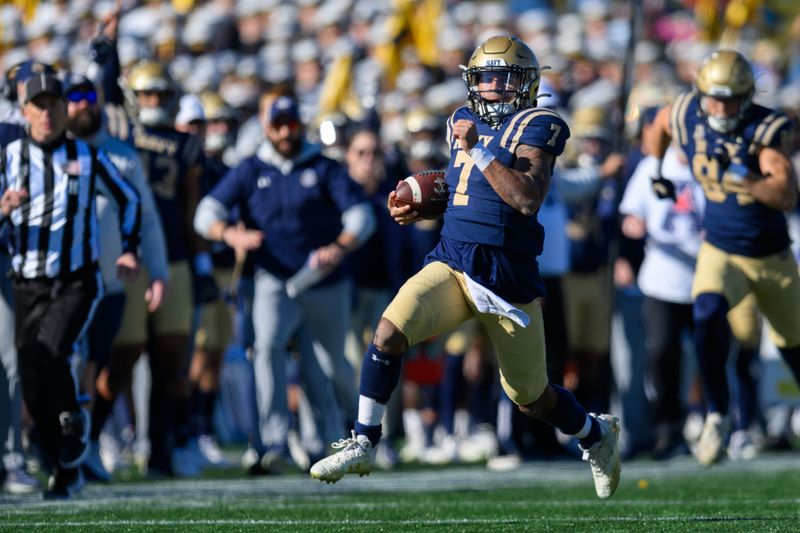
(710, 308)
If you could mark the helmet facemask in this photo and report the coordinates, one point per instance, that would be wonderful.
(726, 124)
(508, 91)
(161, 115)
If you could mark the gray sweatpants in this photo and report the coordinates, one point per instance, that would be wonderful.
(317, 321)
(10, 392)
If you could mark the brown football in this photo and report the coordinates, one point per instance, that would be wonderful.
(426, 192)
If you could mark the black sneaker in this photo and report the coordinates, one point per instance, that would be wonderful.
(74, 438)
(64, 484)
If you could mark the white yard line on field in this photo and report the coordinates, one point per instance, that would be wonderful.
(394, 523)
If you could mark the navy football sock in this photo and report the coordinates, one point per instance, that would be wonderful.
(747, 399)
(569, 417)
(373, 433)
(595, 433)
(712, 342)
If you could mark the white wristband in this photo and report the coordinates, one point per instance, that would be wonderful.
(481, 156)
(659, 164)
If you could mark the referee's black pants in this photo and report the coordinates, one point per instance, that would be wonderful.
(51, 315)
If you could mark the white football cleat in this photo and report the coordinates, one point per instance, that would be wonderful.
(603, 457)
(210, 454)
(356, 455)
(742, 447)
(709, 449)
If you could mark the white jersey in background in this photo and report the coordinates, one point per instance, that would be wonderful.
(674, 229)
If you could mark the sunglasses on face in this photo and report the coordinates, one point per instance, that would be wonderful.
(80, 96)
(292, 124)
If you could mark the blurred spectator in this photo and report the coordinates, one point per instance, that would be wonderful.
(173, 164)
(673, 234)
(85, 122)
(300, 238)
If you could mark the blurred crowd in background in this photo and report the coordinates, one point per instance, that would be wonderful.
(376, 82)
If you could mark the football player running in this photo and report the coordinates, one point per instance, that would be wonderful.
(502, 152)
(738, 151)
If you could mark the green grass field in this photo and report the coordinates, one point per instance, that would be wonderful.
(760, 495)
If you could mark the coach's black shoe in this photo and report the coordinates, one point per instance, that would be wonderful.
(64, 484)
(74, 438)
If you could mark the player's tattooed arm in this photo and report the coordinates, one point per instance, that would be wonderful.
(524, 186)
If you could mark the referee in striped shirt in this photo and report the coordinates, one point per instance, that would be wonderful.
(48, 185)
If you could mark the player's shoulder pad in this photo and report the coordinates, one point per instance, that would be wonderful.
(117, 122)
(682, 106)
(772, 127)
(538, 126)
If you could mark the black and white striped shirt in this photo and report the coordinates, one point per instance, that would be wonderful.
(55, 230)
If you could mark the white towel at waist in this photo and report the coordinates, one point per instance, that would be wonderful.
(488, 302)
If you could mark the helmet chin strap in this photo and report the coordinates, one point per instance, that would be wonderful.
(154, 116)
(500, 108)
(722, 124)
(725, 124)
(495, 112)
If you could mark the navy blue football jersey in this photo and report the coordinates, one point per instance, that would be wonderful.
(734, 221)
(482, 236)
(167, 156)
